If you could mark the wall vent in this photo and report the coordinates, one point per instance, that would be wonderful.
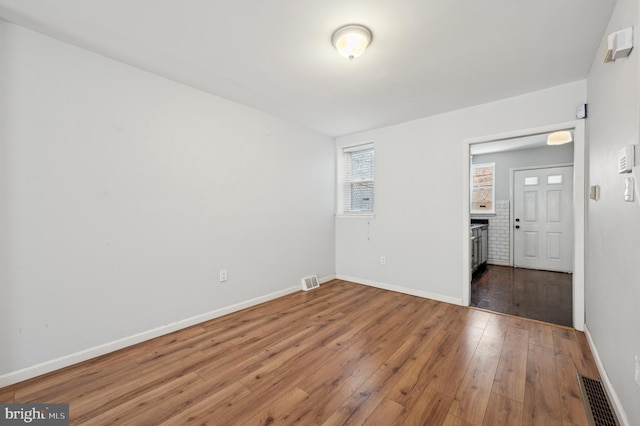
(596, 404)
(309, 283)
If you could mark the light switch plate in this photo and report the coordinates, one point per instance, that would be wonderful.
(628, 189)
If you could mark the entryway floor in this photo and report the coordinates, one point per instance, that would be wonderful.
(528, 293)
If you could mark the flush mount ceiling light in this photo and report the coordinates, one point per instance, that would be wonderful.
(559, 138)
(351, 40)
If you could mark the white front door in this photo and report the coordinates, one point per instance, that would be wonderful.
(543, 218)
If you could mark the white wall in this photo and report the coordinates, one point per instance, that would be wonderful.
(419, 186)
(505, 161)
(122, 195)
(613, 226)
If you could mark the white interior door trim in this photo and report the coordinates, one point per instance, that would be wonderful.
(579, 211)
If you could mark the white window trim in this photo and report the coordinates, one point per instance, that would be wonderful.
(340, 207)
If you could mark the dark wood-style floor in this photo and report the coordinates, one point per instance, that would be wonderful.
(528, 293)
(341, 354)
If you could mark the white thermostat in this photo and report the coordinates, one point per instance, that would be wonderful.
(626, 159)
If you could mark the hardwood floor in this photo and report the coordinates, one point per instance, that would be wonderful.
(341, 354)
(540, 295)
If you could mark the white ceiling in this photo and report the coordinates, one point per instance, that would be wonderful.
(511, 144)
(427, 56)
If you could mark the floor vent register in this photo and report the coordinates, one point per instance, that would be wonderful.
(596, 403)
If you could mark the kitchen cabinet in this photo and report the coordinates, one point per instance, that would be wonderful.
(479, 235)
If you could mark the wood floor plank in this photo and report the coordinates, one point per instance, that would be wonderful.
(497, 326)
(430, 407)
(359, 406)
(510, 376)
(72, 381)
(541, 335)
(165, 345)
(418, 371)
(582, 351)
(479, 318)
(542, 396)
(357, 357)
(131, 385)
(456, 318)
(452, 420)
(572, 404)
(503, 411)
(150, 405)
(280, 412)
(366, 398)
(342, 354)
(574, 349)
(354, 365)
(7, 396)
(387, 413)
(453, 360)
(471, 400)
(211, 408)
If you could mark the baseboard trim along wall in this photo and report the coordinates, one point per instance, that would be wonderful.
(399, 289)
(497, 262)
(87, 354)
(617, 405)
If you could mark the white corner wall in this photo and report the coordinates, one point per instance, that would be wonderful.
(419, 187)
(612, 289)
(122, 195)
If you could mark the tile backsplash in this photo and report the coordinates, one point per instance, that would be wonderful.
(499, 246)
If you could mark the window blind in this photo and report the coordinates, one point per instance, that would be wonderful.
(358, 179)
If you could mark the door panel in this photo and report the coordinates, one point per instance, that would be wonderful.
(531, 206)
(543, 218)
(554, 246)
(531, 245)
(554, 206)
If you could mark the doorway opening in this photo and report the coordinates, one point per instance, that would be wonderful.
(534, 258)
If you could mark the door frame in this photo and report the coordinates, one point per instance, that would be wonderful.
(579, 210)
(512, 247)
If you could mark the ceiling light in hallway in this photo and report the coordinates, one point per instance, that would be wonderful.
(351, 40)
(559, 138)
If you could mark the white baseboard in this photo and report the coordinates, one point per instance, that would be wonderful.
(326, 279)
(498, 262)
(405, 290)
(617, 405)
(67, 360)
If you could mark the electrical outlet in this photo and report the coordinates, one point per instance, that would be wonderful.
(223, 275)
(383, 260)
(637, 376)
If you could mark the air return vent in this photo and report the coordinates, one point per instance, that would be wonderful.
(309, 283)
(596, 404)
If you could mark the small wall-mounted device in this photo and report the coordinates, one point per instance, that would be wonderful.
(619, 45)
(581, 111)
(626, 159)
(594, 192)
(628, 189)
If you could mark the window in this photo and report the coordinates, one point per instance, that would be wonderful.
(356, 191)
(482, 188)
